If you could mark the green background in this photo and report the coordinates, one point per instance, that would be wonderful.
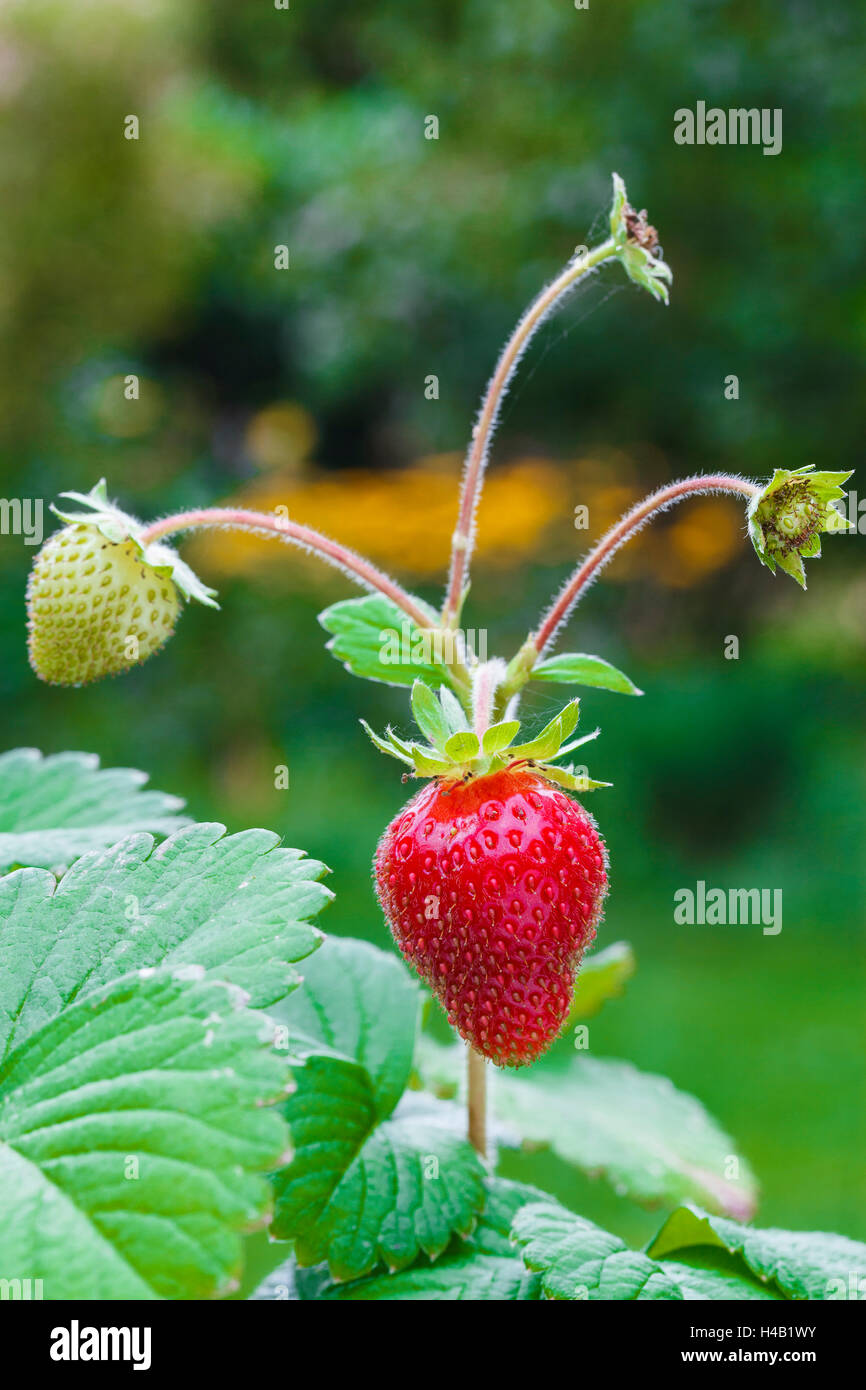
(409, 257)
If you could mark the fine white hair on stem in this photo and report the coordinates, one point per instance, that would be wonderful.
(628, 526)
(486, 680)
(544, 304)
(354, 566)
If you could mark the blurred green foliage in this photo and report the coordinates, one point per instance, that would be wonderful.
(409, 256)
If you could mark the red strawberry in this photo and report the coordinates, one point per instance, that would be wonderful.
(493, 888)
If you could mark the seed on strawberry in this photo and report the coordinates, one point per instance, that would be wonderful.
(95, 608)
(493, 889)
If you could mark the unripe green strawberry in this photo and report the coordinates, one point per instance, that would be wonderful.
(100, 599)
(94, 607)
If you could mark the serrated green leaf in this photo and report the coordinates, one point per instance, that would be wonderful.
(234, 904)
(373, 638)
(360, 1191)
(651, 1141)
(484, 1266)
(577, 1260)
(715, 1275)
(430, 716)
(802, 1264)
(366, 1185)
(499, 736)
(577, 668)
(603, 975)
(52, 809)
(475, 1278)
(360, 1003)
(132, 1137)
(463, 747)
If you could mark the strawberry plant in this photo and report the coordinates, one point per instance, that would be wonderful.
(154, 1022)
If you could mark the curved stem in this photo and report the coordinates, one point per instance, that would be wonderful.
(359, 569)
(590, 568)
(476, 1073)
(479, 450)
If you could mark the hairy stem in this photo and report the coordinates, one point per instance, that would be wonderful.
(479, 450)
(521, 667)
(485, 682)
(476, 1070)
(355, 566)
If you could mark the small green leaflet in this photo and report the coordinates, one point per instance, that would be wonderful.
(576, 668)
(135, 1129)
(375, 639)
(366, 1184)
(651, 1141)
(234, 904)
(802, 1264)
(52, 809)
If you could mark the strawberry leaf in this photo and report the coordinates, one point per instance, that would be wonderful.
(373, 638)
(651, 1141)
(366, 1184)
(576, 668)
(603, 975)
(484, 1267)
(802, 1264)
(133, 1140)
(234, 904)
(577, 1260)
(52, 809)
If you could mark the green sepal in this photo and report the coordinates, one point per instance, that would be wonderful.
(429, 715)
(499, 736)
(118, 527)
(787, 518)
(636, 243)
(458, 753)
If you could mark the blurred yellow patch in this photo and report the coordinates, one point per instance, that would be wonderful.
(401, 520)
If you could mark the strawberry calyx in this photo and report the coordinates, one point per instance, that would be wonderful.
(455, 752)
(787, 518)
(119, 527)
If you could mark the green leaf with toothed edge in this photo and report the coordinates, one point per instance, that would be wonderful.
(135, 1129)
(652, 1142)
(801, 1264)
(235, 904)
(576, 668)
(55, 808)
(484, 1266)
(373, 638)
(367, 1184)
(579, 1261)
